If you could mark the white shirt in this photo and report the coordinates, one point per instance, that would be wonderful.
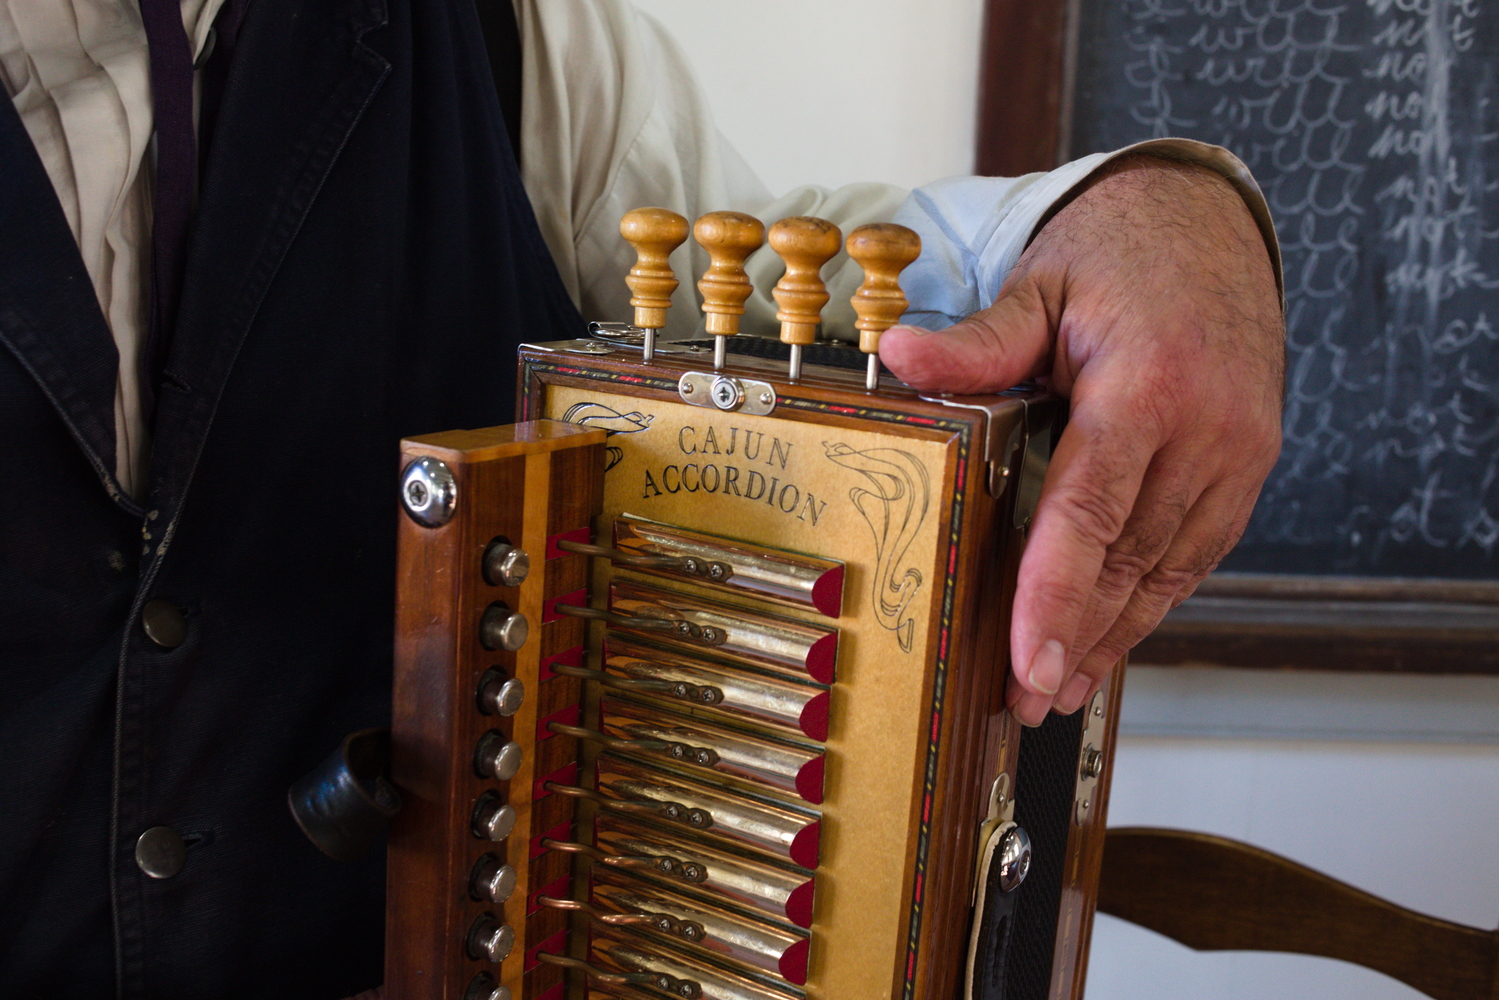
(612, 119)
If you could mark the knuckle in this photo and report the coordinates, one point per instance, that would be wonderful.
(1142, 545)
(1094, 514)
(1122, 567)
(1180, 571)
(1166, 580)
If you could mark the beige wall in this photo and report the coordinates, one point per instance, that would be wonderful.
(834, 91)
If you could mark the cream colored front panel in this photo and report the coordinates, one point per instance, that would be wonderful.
(877, 501)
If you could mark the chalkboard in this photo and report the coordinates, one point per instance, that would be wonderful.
(1373, 127)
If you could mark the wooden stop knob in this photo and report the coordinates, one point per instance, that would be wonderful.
(729, 237)
(654, 233)
(805, 244)
(883, 250)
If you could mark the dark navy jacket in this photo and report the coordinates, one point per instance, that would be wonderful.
(362, 264)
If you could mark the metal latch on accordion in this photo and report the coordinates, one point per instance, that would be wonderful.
(1029, 446)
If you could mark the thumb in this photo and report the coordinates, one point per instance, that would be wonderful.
(989, 351)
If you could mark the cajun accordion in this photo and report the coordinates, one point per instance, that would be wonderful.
(700, 692)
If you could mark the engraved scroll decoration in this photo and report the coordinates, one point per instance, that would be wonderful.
(612, 422)
(894, 507)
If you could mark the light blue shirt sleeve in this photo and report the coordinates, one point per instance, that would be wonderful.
(974, 229)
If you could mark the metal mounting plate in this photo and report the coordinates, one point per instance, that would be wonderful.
(725, 392)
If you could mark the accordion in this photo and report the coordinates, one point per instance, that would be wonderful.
(699, 690)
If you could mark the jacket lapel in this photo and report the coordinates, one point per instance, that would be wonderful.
(299, 82)
(49, 314)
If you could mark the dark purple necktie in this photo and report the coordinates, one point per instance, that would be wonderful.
(176, 176)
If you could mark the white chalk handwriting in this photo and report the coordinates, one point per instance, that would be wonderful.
(1373, 128)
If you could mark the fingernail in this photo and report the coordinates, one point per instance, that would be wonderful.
(1047, 666)
(915, 331)
(1031, 709)
(1074, 693)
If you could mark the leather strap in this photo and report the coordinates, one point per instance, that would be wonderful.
(345, 803)
(993, 921)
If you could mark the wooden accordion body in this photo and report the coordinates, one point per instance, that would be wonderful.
(766, 777)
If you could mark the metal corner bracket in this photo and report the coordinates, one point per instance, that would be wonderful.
(1027, 448)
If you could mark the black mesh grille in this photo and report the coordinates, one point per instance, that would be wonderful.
(1045, 779)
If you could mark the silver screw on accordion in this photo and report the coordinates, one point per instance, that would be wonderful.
(429, 493)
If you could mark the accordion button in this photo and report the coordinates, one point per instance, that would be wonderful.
(491, 880)
(497, 757)
(504, 629)
(483, 987)
(505, 565)
(488, 938)
(493, 819)
(501, 695)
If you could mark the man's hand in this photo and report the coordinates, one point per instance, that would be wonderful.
(1150, 301)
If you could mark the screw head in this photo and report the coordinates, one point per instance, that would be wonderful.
(429, 493)
(726, 393)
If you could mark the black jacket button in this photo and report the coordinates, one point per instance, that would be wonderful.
(160, 853)
(164, 623)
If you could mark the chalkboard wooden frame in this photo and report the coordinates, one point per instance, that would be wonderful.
(1236, 619)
